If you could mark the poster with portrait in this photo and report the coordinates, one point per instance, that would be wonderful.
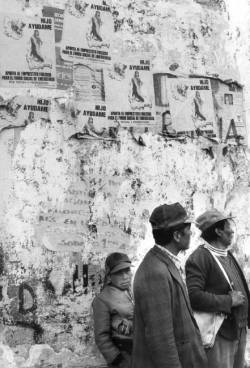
(87, 32)
(92, 123)
(191, 106)
(32, 109)
(27, 51)
(20, 111)
(130, 94)
(64, 68)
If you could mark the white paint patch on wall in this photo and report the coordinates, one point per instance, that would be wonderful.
(239, 20)
(123, 183)
(6, 148)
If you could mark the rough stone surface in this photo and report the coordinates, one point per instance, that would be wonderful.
(66, 204)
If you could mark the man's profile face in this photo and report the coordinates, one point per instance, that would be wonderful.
(185, 236)
(226, 235)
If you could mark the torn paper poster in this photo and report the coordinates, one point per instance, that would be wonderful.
(92, 40)
(229, 109)
(19, 111)
(58, 15)
(30, 60)
(64, 69)
(89, 83)
(135, 106)
(191, 105)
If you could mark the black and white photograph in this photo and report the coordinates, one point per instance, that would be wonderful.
(125, 184)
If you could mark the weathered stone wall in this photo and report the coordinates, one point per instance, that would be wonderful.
(67, 203)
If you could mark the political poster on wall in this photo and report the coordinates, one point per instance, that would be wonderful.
(87, 32)
(58, 15)
(32, 109)
(29, 56)
(191, 106)
(9, 110)
(229, 108)
(161, 101)
(134, 106)
(92, 123)
(20, 111)
(89, 83)
(64, 69)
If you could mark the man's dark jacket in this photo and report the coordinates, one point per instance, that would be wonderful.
(165, 332)
(209, 290)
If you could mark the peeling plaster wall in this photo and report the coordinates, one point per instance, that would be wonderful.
(66, 204)
(119, 185)
(239, 31)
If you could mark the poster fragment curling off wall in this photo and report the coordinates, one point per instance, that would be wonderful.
(20, 111)
(130, 94)
(28, 51)
(87, 32)
(92, 122)
(191, 105)
(90, 95)
(89, 83)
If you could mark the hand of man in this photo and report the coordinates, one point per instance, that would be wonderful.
(237, 298)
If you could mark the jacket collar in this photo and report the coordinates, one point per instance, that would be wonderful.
(173, 271)
(218, 252)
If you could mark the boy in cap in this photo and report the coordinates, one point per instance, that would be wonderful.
(210, 291)
(113, 312)
(165, 332)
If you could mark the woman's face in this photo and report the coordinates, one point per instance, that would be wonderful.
(122, 279)
(198, 96)
(31, 116)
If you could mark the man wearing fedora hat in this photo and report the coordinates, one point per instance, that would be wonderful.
(220, 288)
(165, 332)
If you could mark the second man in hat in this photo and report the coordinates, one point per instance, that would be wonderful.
(213, 290)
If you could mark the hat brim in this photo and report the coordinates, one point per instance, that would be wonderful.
(120, 266)
(215, 222)
(226, 218)
(188, 220)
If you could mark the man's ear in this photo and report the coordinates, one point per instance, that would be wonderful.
(108, 279)
(218, 231)
(177, 236)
